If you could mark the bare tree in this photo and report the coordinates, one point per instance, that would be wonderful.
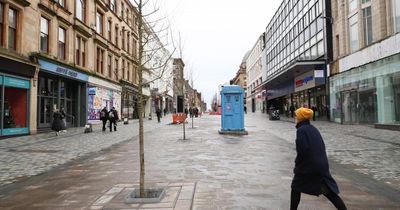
(150, 62)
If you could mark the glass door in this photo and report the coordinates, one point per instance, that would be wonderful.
(349, 107)
(45, 111)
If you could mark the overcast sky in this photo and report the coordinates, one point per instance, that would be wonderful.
(216, 35)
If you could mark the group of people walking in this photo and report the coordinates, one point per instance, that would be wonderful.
(111, 116)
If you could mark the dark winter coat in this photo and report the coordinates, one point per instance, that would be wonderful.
(311, 164)
(115, 113)
(57, 122)
(105, 115)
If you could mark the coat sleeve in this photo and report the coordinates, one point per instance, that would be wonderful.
(301, 144)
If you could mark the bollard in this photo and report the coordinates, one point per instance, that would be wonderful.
(88, 128)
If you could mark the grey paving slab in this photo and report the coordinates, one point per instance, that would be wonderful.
(230, 172)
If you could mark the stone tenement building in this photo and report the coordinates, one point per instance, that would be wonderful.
(365, 74)
(76, 55)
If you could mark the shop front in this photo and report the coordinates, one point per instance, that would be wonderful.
(129, 102)
(15, 96)
(368, 94)
(61, 87)
(102, 94)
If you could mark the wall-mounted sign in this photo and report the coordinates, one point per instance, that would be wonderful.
(62, 70)
(304, 81)
(18, 83)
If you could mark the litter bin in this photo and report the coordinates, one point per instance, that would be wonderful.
(274, 114)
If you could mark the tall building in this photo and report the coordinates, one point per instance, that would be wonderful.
(79, 56)
(365, 74)
(297, 51)
(254, 77)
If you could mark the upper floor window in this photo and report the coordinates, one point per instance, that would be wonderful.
(116, 36)
(128, 42)
(123, 69)
(1, 23)
(100, 57)
(61, 42)
(116, 69)
(99, 23)
(122, 10)
(396, 11)
(109, 24)
(127, 15)
(112, 5)
(80, 6)
(12, 28)
(62, 2)
(109, 59)
(353, 26)
(80, 51)
(367, 25)
(123, 39)
(44, 35)
(352, 5)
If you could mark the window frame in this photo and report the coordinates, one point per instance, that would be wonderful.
(83, 10)
(367, 26)
(61, 46)
(2, 31)
(10, 28)
(47, 35)
(99, 22)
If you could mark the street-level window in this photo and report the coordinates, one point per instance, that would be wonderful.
(1, 23)
(80, 6)
(367, 25)
(12, 28)
(61, 43)
(99, 23)
(354, 40)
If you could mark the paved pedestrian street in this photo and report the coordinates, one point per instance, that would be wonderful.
(206, 171)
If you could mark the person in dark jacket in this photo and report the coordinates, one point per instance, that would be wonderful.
(57, 122)
(104, 117)
(113, 118)
(158, 113)
(311, 171)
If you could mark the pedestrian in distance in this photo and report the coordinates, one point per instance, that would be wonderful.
(191, 112)
(311, 171)
(245, 109)
(113, 118)
(165, 111)
(158, 113)
(314, 108)
(292, 109)
(104, 117)
(57, 122)
(63, 120)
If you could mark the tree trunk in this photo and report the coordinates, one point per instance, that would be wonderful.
(140, 86)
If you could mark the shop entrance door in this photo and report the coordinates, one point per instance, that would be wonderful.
(45, 111)
(349, 107)
(367, 106)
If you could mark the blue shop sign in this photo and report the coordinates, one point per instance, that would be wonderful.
(14, 82)
(14, 131)
(62, 70)
(92, 90)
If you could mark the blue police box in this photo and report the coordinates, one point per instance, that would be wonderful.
(232, 117)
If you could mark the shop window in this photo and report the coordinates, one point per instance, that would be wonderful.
(15, 109)
(44, 35)
(12, 28)
(61, 43)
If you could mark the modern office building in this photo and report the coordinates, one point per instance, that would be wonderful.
(297, 51)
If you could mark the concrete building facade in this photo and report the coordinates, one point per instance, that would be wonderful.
(255, 99)
(365, 74)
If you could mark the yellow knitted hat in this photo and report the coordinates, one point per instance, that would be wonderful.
(304, 114)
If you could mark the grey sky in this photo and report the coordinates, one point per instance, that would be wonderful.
(216, 35)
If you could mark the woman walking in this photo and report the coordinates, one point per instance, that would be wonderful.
(311, 171)
(57, 124)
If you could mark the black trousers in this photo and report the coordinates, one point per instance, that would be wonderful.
(104, 125)
(332, 197)
(113, 123)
